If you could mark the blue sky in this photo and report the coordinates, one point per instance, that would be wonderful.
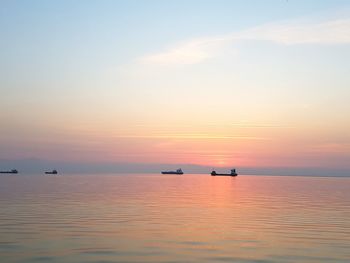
(115, 31)
(176, 81)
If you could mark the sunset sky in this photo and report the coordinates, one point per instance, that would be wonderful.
(217, 83)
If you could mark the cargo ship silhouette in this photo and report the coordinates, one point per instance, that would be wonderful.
(52, 172)
(13, 171)
(178, 171)
(233, 173)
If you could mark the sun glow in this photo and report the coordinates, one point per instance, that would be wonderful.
(270, 92)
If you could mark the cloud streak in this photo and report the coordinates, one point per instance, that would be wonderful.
(330, 32)
(192, 136)
(324, 33)
(189, 52)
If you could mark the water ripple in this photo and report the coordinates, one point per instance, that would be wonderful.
(191, 218)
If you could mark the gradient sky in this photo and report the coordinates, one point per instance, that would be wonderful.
(221, 83)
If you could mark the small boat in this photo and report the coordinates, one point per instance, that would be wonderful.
(233, 173)
(178, 171)
(13, 171)
(52, 172)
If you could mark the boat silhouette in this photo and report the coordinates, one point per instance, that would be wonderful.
(13, 171)
(233, 173)
(52, 172)
(178, 171)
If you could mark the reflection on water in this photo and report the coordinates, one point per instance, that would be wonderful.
(170, 218)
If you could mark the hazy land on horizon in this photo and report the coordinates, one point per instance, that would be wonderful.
(35, 166)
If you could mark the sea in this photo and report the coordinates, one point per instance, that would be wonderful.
(174, 218)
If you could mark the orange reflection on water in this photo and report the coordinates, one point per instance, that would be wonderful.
(185, 218)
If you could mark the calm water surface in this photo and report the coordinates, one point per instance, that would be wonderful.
(170, 218)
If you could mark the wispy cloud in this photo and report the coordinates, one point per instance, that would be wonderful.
(192, 136)
(329, 32)
(189, 52)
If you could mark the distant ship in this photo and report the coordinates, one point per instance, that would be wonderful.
(178, 171)
(52, 172)
(233, 173)
(13, 171)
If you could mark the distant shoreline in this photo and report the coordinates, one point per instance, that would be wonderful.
(156, 173)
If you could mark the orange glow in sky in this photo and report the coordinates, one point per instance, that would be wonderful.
(272, 90)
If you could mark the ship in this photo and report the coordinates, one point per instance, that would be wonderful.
(52, 172)
(233, 173)
(13, 171)
(178, 171)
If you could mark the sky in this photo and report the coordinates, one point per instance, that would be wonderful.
(213, 83)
